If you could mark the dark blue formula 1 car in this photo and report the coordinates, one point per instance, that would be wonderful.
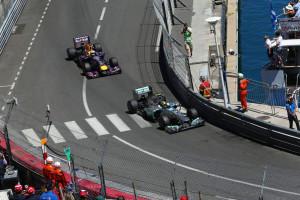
(91, 59)
(170, 115)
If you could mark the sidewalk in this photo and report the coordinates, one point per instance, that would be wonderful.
(202, 39)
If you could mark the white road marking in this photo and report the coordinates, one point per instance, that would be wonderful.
(54, 134)
(13, 85)
(18, 73)
(158, 38)
(2, 86)
(140, 121)
(86, 107)
(97, 32)
(32, 137)
(21, 67)
(118, 122)
(9, 93)
(102, 13)
(2, 108)
(75, 130)
(97, 126)
(204, 172)
(28, 49)
(16, 78)
(106, 1)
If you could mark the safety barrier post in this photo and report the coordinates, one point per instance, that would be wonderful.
(199, 195)
(173, 190)
(102, 180)
(188, 69)
(134, 191)
(185, 189)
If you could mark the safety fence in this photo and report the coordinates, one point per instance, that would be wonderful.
(10, 11)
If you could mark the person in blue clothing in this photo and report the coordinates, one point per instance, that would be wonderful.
(49, 194)
(291, 112)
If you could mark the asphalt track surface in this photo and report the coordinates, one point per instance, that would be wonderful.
(47, 78)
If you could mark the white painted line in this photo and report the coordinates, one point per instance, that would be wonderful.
(21, 67)
(25, 58)
(31, 43)
(140, 121)
(41, 21)
(86, 107)
(28, 49)
(54, 134)
(97, 32)
(2, 86)
(36, 30)
(9, 93)
(106, 1)
(204, 172)
(22, 63)
(2, 108)
(102, 13)
(75, 130)
(97, 126)
(118, 122)
(39, 25)
(18, 73)
(44, 13)
(32, 137)
(16, 78)
(12, 85)
(33, 38)
(158, 38)
(27, 52)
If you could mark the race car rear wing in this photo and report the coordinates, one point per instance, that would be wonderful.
(142, 92)
(81, 41)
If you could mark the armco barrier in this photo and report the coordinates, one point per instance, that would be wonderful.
(36, 165)
(9, 22)
(230, 120)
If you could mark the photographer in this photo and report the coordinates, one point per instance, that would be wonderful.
(187, 36)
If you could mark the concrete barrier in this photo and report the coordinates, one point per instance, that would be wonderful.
(9, 13)
(230, 120)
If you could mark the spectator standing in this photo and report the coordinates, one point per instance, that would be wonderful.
(205, 87)
(30, 194)
(3, 164)
(243, 85)
(187, 36)
(291, 112)
(49, 194)
(18, 192)
(60, 179)
(48, 169)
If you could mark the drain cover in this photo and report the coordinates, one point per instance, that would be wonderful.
(264, 117)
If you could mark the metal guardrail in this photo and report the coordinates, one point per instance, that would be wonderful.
(9, 22)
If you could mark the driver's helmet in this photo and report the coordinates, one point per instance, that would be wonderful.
(163, 104)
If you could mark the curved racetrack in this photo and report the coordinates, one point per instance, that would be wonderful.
(212, 161)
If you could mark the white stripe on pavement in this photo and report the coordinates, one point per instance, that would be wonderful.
(75, 130)
(140, 121)
(54, 134)
(32, 137)
(97, 126)
(118, 122)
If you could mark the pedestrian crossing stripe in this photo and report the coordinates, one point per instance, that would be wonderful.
(75, 130)
(54, 134)
(118, 122)
(97, 126)
(140, 121)
(32, 137)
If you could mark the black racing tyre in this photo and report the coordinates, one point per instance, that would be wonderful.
(71, 52)
(97, 47)
(132, 106)
(192, 113)
(163, 121)
(87, 67)
(94, 64)
(113, 62)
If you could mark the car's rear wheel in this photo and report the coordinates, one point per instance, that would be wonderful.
(113, 62)
(163, 121)
(71, 52)
(98, 47)
(132, 106)
(192, 113)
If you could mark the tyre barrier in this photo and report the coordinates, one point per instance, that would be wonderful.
(35, 164)
(227, 119)
(9, 22)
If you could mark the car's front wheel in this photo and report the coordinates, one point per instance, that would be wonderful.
(132, 106)
(71, 53)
